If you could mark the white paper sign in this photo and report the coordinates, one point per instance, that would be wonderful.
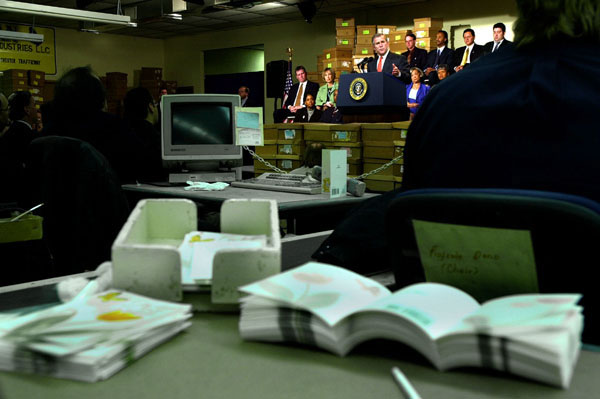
(249, 126)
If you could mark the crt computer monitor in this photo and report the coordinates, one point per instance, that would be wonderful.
(199, 128)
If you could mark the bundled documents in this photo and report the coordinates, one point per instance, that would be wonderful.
(90, 337)
(537, 336)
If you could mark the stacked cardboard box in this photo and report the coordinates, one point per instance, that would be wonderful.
(340, 59)
(284, 147)
(151, 79)
(320, 63)
(315, 77)
(116, 88)
(383, 142)
(426, 29)
(364, 37)
(338, 137)
(345, 34)
(398, 40)
(23, 80)
(170, 85)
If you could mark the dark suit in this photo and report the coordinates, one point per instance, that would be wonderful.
(445, 58)
(13, 148)
(476, 52)
(279, 115)
(302, 116)
(250, 103)
(489, 46)
(418, 59)
(391, 60)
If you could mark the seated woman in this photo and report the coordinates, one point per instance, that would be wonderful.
(415, 91)
(325, 98)
(309, 113)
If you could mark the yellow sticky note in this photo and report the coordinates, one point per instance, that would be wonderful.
(366, 32)
(328, 55)
(344, 23)
(345, 42)
(365, 51)
(482, 261)
(398, 37)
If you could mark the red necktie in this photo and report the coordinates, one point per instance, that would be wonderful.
(379, 66)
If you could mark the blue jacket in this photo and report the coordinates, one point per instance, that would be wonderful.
(421, 93)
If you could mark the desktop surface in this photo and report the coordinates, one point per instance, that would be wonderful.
(210, 360)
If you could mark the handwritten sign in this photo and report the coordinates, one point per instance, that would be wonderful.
(485, 262)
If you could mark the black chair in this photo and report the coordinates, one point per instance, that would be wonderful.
(85, 207)
(564, 229)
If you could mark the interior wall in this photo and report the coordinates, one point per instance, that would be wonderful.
(106, 53)
(184, 60)
(236, 60)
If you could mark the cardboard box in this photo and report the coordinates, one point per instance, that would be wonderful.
(366, 30)
(270, 131)
(399, 36)
(354, 167)
(344, 42)
(386, 29)
(344, 22)
(398, 47)
(147, 73)
(27, 228)
(353, 150)
(386, 132)
(339, 64)
(288, 164)
(331, 132)
(365, 51)
(267, 150)
(429, 23)
(370, 164)
(14, 74)
(36, 78)
(345, 32)
(290, 133)
(386, 150)
(383, 183)
(291, 149)
(426, 43)
(314, 76)
(364, 41)
(422, 33)
(261, 167)
(335, 52)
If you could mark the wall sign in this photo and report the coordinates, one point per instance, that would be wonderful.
(20, 54)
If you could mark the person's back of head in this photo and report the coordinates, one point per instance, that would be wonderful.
(136, 104)
(17, 103)
(313, 155)
(78, 94)
(557, 21)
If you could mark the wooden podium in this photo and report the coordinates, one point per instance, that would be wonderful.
(372, 97)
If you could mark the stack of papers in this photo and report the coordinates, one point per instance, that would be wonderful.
(89, 338)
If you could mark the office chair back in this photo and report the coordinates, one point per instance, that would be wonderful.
(565, 232)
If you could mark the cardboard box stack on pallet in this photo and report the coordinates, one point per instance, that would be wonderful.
(383, 142)
(425, 30)
(345, 33)
(151, 79)
(339, 59)
(284, 147)
(116, 88)
(364, 44)
(20, 80)
(338, 137)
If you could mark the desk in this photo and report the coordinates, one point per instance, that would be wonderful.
(210, 360)
(293, 207)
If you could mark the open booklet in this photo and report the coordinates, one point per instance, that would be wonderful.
(535, 336)
(90, 337)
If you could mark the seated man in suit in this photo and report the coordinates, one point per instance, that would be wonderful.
(499, 42)
(309, 113)
(386, 61)
(296, 96)
(441, 55)
(463, 56)
(416, 57)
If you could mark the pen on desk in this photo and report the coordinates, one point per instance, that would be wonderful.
(406, 387)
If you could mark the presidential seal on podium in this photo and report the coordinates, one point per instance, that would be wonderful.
(358, 89)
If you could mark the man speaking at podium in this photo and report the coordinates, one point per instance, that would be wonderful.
(386, 61)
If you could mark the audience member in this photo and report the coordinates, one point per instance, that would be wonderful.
(499, 42)
(443, 72)
(416, 57)
(309, 113)
(78, 111)
(441, 55)
(312, 157)
(325, 95)
(296, 96)
(415, 91)
(528, 127)
(466, 55)
(332, 114)
(246, 100)
(14, 143)
(386, 61)
(142, 117)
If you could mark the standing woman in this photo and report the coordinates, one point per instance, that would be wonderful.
(325, 95)
(415, 91)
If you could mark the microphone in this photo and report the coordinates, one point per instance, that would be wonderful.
(365, 61)
(353, 186)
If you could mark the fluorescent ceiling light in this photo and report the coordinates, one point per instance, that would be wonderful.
(28, 37)
(66, 13)
(175, 16)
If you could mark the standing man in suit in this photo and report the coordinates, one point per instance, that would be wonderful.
(499, 42)
(296, 96)
(467, 54)
(246, 101)
(416, 57)
(386, 61)
(441, 55)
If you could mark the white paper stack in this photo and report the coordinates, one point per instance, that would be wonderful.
(90, 337)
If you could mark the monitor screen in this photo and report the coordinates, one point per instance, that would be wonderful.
(199, 127)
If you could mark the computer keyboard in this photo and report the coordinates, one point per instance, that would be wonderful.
(281, 182)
